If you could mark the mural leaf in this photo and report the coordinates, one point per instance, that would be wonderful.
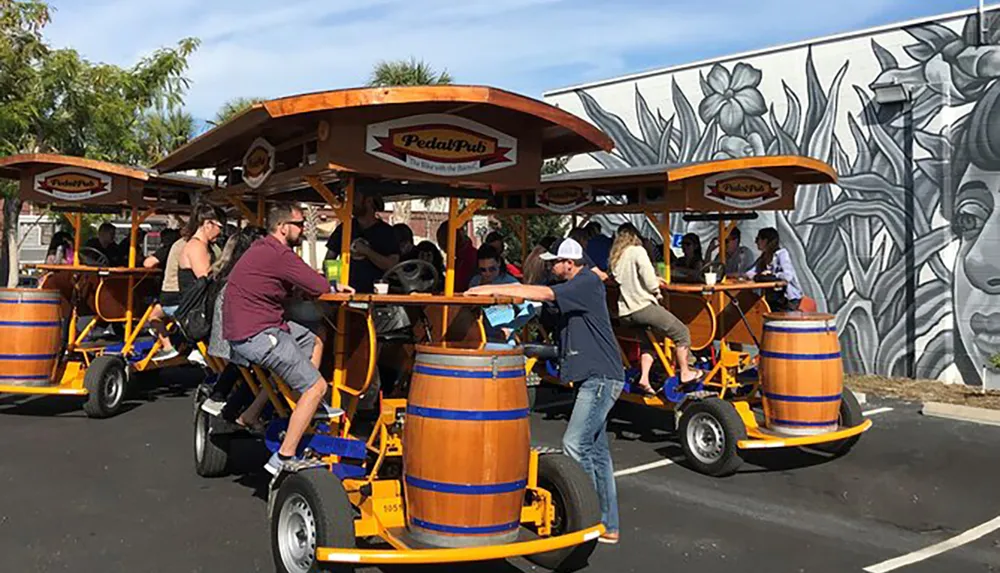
(845, 208)
(885, 58)
(816, 99)
(647, 123)
(937, 355)
(822, 137)
(863, 160)
(891, 279)
(609, 161)
(920, 52)
(859, 262)
(791, 240)
(793, 115)
(660, 120)
(785, 142)
(663, 154)
(689, 129)
(856, 325)
(841, 162)
(633, 150)
(937, 145)
(759, 126)
(871, 184)
(706, 145)
(932, 305)
(706, 89)
(934, 35)
(886, 144)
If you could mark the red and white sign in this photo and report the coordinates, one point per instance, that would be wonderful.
(72, 184)
(564, 199)
(258, 163)
(745, 189)
(441, 144)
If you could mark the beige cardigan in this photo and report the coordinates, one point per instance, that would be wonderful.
(639, 286)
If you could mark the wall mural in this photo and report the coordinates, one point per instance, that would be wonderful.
(847, 240)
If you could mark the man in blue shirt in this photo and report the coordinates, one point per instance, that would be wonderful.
(599, 245)
(589, 359)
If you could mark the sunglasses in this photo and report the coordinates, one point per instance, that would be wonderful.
(484, 270)
(299, 224)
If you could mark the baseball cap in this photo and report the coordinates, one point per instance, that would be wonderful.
(563, 249)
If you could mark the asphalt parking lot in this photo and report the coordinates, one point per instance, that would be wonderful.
(121, 495)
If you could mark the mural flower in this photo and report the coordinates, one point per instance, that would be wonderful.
(734, 146)
(730, 98)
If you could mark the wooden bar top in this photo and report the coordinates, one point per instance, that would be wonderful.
(419, 299)
(90, 269)
(689, 288)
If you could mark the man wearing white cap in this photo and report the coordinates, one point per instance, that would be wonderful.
(589, 359)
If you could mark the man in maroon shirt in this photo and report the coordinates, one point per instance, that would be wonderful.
(254, 324)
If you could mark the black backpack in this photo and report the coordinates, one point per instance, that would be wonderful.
(195, 310)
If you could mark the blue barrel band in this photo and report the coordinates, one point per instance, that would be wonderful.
(463, 489)
(790, 330)
(474, 374)
(466, 529)
(33, 301)
(27, 356)
(24, 377)
(37, 323)
(472, 415)
(787, 356)
(787, 398)
(803, 423)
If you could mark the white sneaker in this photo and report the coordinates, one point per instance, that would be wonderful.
(212, 407)
(166, 355)
(197, 358)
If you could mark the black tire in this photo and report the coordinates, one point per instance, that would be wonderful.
(577, 508)
(850, 416)
(316, 496)
(709, 430)
(211, 451)
(106, 381)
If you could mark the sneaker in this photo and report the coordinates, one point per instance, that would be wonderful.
(611, 538)
(213, 407)
(275, 465)
(165, 354)
(197, 358)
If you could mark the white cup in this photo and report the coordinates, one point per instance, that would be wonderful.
(381, 288)
(710, 278)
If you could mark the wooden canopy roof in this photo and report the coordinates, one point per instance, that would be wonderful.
(745, 184)
(471, 136)
(85, 184)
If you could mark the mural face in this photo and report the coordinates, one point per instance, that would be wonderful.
(848, 240)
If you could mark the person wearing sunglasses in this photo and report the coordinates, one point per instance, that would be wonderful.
(253, 320)
(500, 324)
(374, 247)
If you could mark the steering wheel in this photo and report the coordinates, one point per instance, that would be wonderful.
(94, 257)
(414, 275)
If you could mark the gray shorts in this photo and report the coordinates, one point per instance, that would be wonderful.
(286, 354)
(661, 321)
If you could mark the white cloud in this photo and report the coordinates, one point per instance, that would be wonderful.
(266, 48)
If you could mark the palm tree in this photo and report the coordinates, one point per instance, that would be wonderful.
(234, 107)
(407, 73)
(410, 72)
(164, 132)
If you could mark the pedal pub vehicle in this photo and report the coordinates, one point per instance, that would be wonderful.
(791, 392)
(446, 475)
(49, 348)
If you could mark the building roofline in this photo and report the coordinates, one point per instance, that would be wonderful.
(769, 50)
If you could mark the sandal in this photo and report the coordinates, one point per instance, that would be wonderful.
(255, 427)
(696, 379)
(644, 391)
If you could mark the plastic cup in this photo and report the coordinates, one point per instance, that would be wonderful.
(381, 288)
(711, 278)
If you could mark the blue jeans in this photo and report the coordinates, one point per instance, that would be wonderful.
(586, 440)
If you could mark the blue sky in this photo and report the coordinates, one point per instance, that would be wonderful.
(268, 49)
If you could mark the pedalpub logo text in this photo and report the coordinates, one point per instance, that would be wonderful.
(441, 145)
(743, 189)
(72, 184)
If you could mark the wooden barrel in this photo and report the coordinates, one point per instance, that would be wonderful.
(802, 375)
(466, 445)
(31, 331)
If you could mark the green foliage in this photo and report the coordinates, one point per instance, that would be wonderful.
(995, 361)
(407, 73)
(234, 107)
(164, 131)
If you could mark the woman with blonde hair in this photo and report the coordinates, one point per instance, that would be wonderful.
(639, 304)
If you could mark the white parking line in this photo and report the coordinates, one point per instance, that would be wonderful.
(642, 468)
(876, 411)
(936, 549)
